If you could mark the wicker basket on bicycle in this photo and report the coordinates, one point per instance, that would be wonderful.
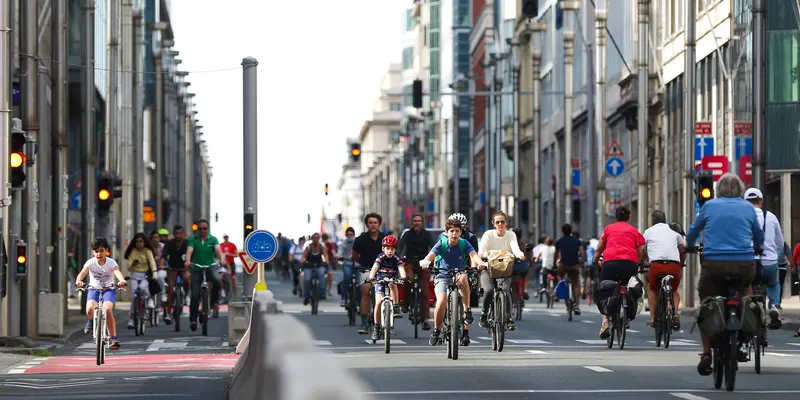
(500, 262)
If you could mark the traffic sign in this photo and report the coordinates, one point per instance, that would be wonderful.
(75, 200)
(247, 262)
(717, 164)
(696, 208)
(614, 166)
(614, 150)
(746, 169)
(576, 182)
(261, 246)
(744, 146)
(703, 146)
(702, 128)
(741, 128)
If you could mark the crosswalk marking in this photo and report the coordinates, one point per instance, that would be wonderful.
(678, 342)
(394, 341)
(322, 343)
(526, 341)
(159, 344)
(597, 369)
(594, 341)
(793, 344)
(537, 352)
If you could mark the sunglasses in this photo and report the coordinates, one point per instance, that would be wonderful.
(203, 228)
(500, 222)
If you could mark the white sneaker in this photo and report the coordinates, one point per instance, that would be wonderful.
(774, 312)
(163, 297)
(150, 303)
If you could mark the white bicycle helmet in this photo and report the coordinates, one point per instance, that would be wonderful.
(460, 217)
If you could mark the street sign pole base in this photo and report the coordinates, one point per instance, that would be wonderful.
(261, 284)
(261, 287)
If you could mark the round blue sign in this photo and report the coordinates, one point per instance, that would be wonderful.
(261, 246)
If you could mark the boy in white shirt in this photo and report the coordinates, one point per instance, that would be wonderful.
(102, 270)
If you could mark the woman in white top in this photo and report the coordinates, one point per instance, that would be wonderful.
(497, 239)
(547, 257)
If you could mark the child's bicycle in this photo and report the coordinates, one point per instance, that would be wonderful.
(100, 334)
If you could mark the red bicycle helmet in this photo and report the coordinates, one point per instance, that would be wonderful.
(390, 241)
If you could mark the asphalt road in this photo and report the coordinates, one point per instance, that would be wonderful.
(545, 356)
(162, 364)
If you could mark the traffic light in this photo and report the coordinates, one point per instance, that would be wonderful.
(530, 8)
(22, 258)
(105, 194)
(355, 152)
(326, 189)
(417, 94)
(17, 159)
(705, 186)
(194, 227)
(249, 223)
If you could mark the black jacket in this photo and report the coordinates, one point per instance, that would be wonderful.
(416, 244)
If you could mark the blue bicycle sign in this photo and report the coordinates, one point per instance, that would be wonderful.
(261, 246)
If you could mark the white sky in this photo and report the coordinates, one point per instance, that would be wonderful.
(320, 68)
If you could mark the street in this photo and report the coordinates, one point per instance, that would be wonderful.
(546, 355)
(161, 364)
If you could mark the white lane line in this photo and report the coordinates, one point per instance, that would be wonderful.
(225, 344)
(394, 341)
(779, 354)
(793, 344)
(159, 344)
(595, 341)
(322, 343)
(587, 322)
(632, 330)
(688, 396)
(526, 341)
(597, 369)
(537, 352)
(677, 343)
(484, 338)
(474, 341)
(17, 371)
(568, 391)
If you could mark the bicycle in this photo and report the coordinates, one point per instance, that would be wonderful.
(454, 314)
(665, 311)
(517, 297)
(315, 288)
(497, 318)
(353, 292)
(759, 343)
(590, 281)
(569, 301)
(103, 339)
(178, 298)
(618, 322)
(205, 300)
(415, 307)
(140, 311)
(387, 310)
(547, 291)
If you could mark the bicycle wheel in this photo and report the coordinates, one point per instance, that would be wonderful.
(455, 323)
(658, 320)
(718, 367)
(667, 319)
(491, 328)
(206, 306)
(142, 316)
(314, 296)
(352, 308)
(622, 329)
(549, 293)
(757, 349)
(416, 314)
(732, 363)
(612, 323)
(500, 321)
(388, 318)
(98, 334)
(177, 307)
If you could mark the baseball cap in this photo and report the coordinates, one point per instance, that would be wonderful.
(752, 194)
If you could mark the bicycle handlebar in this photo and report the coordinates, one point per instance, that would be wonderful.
(385, 280)
(205, 266)
(83, 289)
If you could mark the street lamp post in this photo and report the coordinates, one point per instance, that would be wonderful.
(488, 80)
(515, 60)
(569, 7)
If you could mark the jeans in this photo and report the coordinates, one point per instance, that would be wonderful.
(537, 280)
(347, 269)
(320, 273)
(138, 283)
(197, 279)
(770, 277)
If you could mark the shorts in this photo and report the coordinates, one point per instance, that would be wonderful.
(109, 295)
(712, 284)
(379, 287)
(657, 268)
(573, 271)
(440, 285)
(329, 268)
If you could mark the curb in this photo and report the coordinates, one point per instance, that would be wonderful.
(27, 351)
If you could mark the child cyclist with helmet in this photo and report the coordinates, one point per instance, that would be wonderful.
(387, 265)
(102, 270)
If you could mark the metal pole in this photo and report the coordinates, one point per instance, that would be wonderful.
(188, 160)
(44, 194)
(136, 120)
(688, 145)
(456, 158)
(515, 136)
(601, 17)
(537, 128)
(89, 132)
(29, 65)
(499, 130)
(158, 127)
(643, 118)
(107, 223)
(5, 145)
(591, 136)
(126, 160)
(487, 150)
(569, 7)
(60, 167)
(250, 157)
(470, 206)
(759, 90)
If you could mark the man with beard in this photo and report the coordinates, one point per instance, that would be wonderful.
(366, 249)
(417, 243)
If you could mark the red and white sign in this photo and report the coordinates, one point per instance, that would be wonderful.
(717, 164)
(614, 150)
(746, 169)
(248, 263)
(702, 128)
(743, 128)
(576, 163)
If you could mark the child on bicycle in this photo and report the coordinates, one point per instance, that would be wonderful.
(449, 257)
(102, 270)
(387, 265)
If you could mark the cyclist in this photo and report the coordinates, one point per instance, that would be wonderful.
(495, 240)
(231, 252)
(316, 255)
(366, 249)
(537, 265)
(387, 265)
(102, 270)
(666, 252)
(175, 255)
(732, 235)
(159, 239)
(466, 234)
(139, 255)
(569, 251)
(773, 244)
(622, 248)
(451, 257)
(297, 258)
(331, 250)
(589, 272)
(417, 242)
(203, 249)
(345, 251)
(547, 256)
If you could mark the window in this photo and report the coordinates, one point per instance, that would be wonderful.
(547, 97)
(548, 37)
(409, 21)
(396, 106)
(408, 58)
(783, 68)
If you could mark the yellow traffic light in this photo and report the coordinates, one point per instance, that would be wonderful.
(194, 227)
(248, 226)
(103, 194)
(356, 152)
(21, 259)
(705, 193)
(17, 159)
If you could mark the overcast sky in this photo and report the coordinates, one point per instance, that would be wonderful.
(320, 67)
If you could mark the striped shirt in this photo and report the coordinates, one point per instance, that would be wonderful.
(662, 243)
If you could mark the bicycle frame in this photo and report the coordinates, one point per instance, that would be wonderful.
(100, 332)
(205, 298)
(453, 323)
(315, 285)
(387, 311)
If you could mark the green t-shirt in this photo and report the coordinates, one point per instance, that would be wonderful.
(203, 252)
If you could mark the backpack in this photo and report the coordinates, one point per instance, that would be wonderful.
(462, 246)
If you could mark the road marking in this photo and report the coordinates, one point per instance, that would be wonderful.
(322, 343)
(688, 396)
(17, 371)
(394, 341)
(225, 344)
(568, 391)
(793, 344)
(484, 338)
(779, 354)
(474, 341)
(632, 330)
(526, 341)
(675, 342)
(594, 341)
(587, 322)
(159, 344)
(537, 352)
(597, 369)
(554, 314)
